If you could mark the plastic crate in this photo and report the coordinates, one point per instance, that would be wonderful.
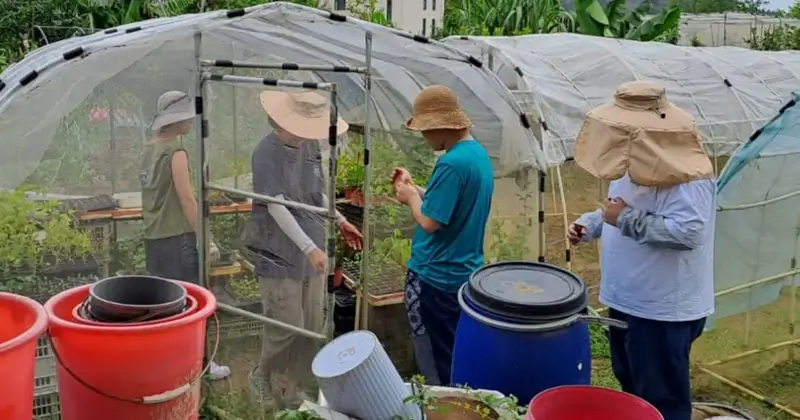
(46, 407)
(232, 329)
(45, 369)
(234, 326)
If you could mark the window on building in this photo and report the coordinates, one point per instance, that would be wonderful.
(340, 4)
(433, 27)
(433, 4)
(389, 10)
(424, 4)
(424, 22)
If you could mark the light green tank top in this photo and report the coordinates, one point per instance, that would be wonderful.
(161, 208)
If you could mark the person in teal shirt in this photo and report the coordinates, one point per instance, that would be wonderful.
(451, 214)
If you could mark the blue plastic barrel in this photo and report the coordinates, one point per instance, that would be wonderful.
(522, 330)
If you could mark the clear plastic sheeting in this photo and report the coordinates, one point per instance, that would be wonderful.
(560, 77)
(72, 113)
(758, 222)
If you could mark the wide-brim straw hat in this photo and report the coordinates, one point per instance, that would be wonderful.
(303, 114)
(644, 135)
(172, 107)
(436, 108)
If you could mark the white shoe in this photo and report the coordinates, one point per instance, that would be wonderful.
(218, 372)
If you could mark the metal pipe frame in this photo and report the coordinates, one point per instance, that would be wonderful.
(201, 127)
(282, 66)
(267, 199)
(363, 321)
(247, 80)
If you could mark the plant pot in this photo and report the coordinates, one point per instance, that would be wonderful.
(442, 394)
(338, 277)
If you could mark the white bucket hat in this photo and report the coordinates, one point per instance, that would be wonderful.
(303, 114)
(173, 107)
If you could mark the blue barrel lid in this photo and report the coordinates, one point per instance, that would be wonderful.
(528, 292)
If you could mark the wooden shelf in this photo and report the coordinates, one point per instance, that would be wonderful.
(136, 213)
(225, 270)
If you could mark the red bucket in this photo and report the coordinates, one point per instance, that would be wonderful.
(589, 403)
(22, 322)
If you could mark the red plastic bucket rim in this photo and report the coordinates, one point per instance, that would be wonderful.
(202, 312)
(35, 331)
(591, 388)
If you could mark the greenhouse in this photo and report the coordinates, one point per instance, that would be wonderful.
(560, 77)
(732, 93)
(77, 115)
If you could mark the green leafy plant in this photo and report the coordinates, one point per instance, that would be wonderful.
(487, 406)
(37, 235)
(350, 168)
(396, 248)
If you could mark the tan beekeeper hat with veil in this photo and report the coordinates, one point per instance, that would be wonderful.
(644, 135)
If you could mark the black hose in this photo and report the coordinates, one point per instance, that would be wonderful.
(730, 408)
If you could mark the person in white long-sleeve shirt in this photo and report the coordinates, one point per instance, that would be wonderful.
(657, 239)
(287, 245)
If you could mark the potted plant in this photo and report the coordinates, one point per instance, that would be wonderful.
(446, 403)
(350, 175)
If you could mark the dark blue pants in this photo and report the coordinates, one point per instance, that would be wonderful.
(434, 317)
(651, 360)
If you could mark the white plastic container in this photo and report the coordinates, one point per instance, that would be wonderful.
(358, 379)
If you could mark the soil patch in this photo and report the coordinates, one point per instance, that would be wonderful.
(457, 408)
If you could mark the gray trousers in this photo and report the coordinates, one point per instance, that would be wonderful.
(286, 357)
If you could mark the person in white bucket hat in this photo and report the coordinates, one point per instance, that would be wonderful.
(169, 207)
(286, 245)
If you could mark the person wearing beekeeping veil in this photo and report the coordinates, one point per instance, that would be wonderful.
(657, 238)
(286, 245)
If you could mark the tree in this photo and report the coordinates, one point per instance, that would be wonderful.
(794, 10)
(617, 21)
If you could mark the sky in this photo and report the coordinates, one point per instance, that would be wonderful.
(779, 4)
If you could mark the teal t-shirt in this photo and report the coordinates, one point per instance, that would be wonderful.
(459, 197)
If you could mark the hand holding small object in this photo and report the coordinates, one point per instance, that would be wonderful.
(401, 175)
(405, 192)
(612, 208)
(575, 233)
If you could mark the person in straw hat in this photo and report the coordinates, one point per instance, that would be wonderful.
(286, 245)
(657, 233)
(451, 214)
(169, 207)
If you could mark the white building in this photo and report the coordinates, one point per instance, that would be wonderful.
(415, 16)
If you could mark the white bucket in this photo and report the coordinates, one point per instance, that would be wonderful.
(358, 379)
